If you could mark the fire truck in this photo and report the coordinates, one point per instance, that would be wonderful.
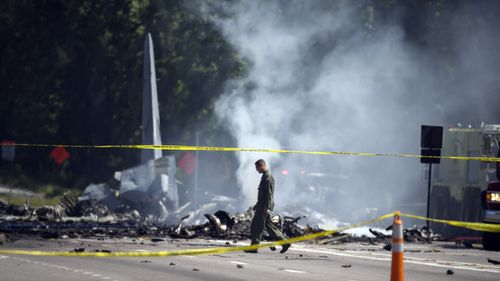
(457, 186)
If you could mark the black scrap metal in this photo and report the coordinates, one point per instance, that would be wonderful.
(72, 218)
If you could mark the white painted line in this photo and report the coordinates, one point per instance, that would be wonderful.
(294, 271)
(387, 257)
(105, 277)
(3, 257)
(96, 275)
(434, 263)
(238, 262)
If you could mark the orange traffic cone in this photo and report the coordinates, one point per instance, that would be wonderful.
(397, 271)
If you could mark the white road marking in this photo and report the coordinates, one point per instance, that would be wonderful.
(59, 267)
(294, 271)
(238, 262)
(412, 260)
(387, 258)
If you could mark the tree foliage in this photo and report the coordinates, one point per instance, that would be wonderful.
(71, 73)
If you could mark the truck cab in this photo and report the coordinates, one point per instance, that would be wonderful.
(491, 204)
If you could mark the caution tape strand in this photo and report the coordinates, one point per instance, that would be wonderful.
(479, 226)
(265, 150)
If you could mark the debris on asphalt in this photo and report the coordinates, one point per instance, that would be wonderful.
(468, 241)
(172, 263)
(346, 266)
(240, 266)
(467, 244)
(146, 261)
(495, 262)
(378, 234)
(157, 240)
(102, 251)
(3, 238)
(3, 205)
(48, 213)
(418, 234)
(196, 269)
(79, 250)
(450, 272)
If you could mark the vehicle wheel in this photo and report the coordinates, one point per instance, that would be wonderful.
(491, 241)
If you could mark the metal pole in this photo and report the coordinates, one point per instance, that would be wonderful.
(429, 195)
(197, 157)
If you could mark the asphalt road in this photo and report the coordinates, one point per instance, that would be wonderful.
(351, 261)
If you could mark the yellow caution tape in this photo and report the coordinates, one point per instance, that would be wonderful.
(237, 149)
(218, 250)
(480, 226)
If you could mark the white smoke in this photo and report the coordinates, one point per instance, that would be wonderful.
(321, 79)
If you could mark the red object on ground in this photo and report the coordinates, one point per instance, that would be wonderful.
(187, 163)
(59, 154)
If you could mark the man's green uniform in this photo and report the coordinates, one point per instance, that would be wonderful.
(261, 218)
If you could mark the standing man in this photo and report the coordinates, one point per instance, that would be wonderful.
(265, 203)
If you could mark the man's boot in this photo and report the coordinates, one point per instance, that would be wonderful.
(285, 247)
(252, 251)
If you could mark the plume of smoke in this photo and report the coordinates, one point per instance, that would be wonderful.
(320, 79)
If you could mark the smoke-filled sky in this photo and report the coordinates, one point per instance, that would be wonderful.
(321, 79)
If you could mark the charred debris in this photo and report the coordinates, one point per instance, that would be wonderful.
(90, 218)
(86, 217)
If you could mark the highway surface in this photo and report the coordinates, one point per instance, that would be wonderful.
(305, 261)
